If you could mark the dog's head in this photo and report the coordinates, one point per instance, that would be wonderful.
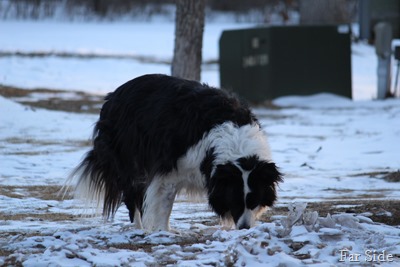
(241, 190)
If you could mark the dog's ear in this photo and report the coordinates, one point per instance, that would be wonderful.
(227, 171)
(222, 187)
(262, 182)
(267, 173)
(225, 176)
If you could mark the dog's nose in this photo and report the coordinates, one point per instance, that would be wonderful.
(243, 226)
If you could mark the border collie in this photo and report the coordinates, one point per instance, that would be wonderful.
(158, 135)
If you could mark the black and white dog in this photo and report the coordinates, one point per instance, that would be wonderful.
(158, 135)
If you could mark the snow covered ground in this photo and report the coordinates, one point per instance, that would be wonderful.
(329, 148)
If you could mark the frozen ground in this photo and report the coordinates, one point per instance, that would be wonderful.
(330, 149)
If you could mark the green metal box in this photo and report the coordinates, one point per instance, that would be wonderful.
(265, 63)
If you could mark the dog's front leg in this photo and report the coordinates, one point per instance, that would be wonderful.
(158, 201)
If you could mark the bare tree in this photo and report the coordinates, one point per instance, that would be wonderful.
(325, 11)
(189, 27)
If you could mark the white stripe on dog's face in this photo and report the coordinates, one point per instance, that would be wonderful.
(259, 180)
(247, 219)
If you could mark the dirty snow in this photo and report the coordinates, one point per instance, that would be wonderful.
(327, 147)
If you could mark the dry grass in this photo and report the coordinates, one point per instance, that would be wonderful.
(44, 192)
(53, 217)
(39, 192)
(54, 100)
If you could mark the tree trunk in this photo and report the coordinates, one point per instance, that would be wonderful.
(189, 27)
(320, 12)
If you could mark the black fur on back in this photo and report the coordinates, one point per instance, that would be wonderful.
(145, 126)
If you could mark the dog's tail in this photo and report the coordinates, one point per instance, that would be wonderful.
(95, 179)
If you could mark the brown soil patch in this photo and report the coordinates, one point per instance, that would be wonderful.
(44, 192)
(53, 217)
(80, 102)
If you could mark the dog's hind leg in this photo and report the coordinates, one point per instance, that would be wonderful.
(158, 202)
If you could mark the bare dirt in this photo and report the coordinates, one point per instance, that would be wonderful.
(51, 99)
